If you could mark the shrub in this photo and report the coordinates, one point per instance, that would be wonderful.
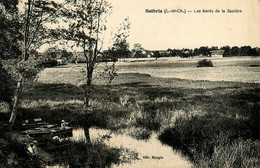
(50, 63)
(205, 63)
(7, 86)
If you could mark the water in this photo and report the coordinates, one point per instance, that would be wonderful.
(151, 153)
(78, 135)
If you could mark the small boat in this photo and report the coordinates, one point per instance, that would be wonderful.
(37, 122)
(54, 131)
(37, 127)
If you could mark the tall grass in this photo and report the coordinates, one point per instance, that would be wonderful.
(226, 154)
(189, 115)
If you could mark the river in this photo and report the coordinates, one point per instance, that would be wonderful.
(151, 153)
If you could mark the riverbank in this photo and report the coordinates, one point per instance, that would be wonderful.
(198, 118)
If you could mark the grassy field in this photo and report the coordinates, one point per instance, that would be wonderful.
(234, 69)
(214, 123)
(245, 69)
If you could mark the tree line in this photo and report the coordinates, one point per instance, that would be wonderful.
(206, 51)
(140, 52)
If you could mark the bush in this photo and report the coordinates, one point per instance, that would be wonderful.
(7, 86)
(205, 63)
(50, 63)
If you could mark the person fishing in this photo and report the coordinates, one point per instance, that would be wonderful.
(64, 124)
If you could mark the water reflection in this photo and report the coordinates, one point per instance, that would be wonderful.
(78, 135)
(136, 153)
(151, 153)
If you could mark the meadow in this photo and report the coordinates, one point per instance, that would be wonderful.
(215, 123)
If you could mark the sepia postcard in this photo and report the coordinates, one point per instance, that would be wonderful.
(129, 83)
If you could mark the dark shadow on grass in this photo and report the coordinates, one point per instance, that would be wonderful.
(134, 84)
(36, 91)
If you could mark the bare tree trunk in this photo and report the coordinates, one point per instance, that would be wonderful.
(16, 101)
(87, 96)
(87, 135)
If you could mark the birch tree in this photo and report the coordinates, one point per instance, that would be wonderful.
(34, 34)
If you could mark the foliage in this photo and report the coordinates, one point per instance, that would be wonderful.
(157, 54)
(12, 150)
(204, 51)
(27, 69)
(57, 53)
(109, 72)
(28, 32)
(138, 51)
(226, 50)
(10, 34)
(205, 63)
(6, 85)
(36, 32)
(49, 57)
(186, 53)
(120, 47)
(33, 32)
(86, 19)
(234, 51)
(48, 62)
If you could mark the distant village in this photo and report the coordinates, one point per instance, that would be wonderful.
(54, 56)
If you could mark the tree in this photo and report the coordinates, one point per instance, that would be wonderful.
(234, 51)
(9, 30)
(255, 51)
(245, 50)
(205, 51)
(57, 53)
(157, 55)
(34, 34)
(120, 47)
(196, 52)
(85, 20)
(52, 52)
(138, 51)
(214, 48)
(226, 51)
(6, 86)
(169, 52)
(9, 46)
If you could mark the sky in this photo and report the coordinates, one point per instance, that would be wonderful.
(158, 31)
